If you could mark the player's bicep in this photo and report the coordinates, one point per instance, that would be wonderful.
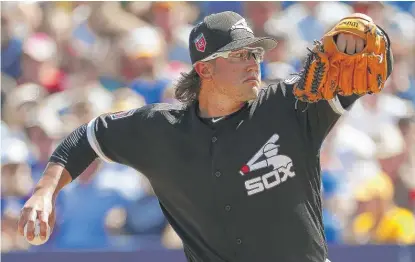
(109, 135)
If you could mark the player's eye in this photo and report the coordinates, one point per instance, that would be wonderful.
(245, 55)
(239, 55)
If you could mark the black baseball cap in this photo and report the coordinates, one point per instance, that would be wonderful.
(221, 32)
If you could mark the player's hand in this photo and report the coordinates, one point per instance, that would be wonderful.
(39, 206)
(349, 44)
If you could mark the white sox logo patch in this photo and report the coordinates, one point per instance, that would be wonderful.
(267, 156)
(200, 43)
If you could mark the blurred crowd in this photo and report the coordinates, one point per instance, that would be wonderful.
(64, 63)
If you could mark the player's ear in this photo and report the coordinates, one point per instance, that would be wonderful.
(204, 70)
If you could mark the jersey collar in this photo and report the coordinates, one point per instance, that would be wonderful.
(225, 122)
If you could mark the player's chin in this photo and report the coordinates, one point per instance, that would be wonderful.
(254, 84)
(252, 91)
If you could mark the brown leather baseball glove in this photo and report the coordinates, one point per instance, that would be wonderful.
(328, 72)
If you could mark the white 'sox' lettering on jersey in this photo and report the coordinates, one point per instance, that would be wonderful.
(282, 168)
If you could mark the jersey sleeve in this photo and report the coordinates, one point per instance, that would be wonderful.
(319, 118)
(314, 119)
(111, 136)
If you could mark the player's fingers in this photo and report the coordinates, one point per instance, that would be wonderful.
(43, 218)
(360, 45)
(30, 230)
(341, 42)
(30, 225)
(351, 44)
(24, 217)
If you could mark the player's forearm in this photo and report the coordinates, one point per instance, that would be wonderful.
(67, 162)
(72, 156)
(54, 179)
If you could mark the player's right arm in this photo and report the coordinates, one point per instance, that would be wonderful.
(105, 136)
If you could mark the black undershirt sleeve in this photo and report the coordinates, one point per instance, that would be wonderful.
(74, 153)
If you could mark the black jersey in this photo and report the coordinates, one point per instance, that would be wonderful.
(247, 188)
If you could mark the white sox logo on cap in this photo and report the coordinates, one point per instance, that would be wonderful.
(241, 24)
(200, 43)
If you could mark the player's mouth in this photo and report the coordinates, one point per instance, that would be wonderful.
(252, 78)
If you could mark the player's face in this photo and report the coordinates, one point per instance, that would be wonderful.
(237, 74)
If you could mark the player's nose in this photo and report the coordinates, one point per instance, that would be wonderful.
(252, 65)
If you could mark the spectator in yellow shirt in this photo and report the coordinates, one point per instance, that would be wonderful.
(382, 221)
